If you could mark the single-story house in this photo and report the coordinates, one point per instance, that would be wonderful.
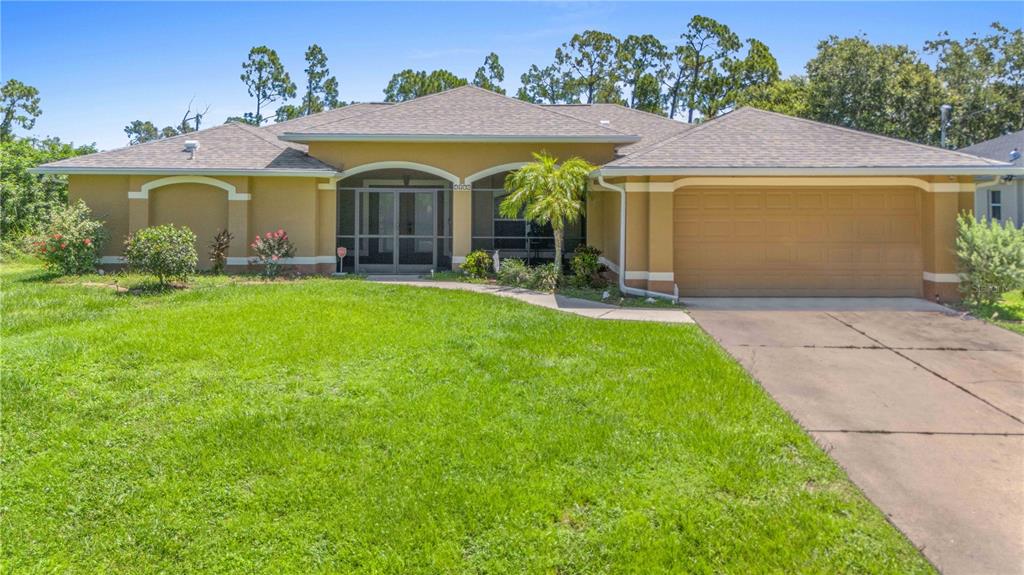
(752, 203)
(1000, 198)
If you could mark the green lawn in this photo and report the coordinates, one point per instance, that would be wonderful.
(346, 426)
(1008, 313)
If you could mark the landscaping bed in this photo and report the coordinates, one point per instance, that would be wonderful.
(326, 426)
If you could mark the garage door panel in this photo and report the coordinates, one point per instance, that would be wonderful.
(828, 242)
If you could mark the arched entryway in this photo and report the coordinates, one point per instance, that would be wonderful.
(395, 218)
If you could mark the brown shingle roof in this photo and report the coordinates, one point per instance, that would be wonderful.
(651, 128)
(230, 147)
(466, 113)
(299, 124)
(752, 138)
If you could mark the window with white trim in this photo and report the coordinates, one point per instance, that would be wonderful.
(995, 204)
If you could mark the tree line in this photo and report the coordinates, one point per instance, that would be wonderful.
(886, 89)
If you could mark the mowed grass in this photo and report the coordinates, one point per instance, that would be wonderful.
(346, 426)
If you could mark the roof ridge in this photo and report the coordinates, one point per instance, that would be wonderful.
(863, 133)
(391, 107)
(624, 107)
(352, 105)
(146, 143)
(680, 136)
(397, 105)
(258, 132)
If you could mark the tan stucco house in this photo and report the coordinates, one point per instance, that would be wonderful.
(751, 203)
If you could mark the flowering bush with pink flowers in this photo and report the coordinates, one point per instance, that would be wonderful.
(71, 241)
(270, 249)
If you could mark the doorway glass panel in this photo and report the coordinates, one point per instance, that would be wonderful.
(396, 231)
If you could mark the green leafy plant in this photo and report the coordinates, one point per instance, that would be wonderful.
(164, 251)
(545, 277)
(586, 266)
(478, 264)
(514, 272)
(990, 258)
(547, 192)
(71, 241)
(271, 248)
(219, 250)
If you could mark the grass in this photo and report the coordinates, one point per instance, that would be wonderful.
(615, 297)
(1008, 313)
(347, 426)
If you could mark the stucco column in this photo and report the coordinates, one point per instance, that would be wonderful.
(940, 208)
(660, 264)
(637, 220)
(462, 223)
(138, 212)
(238, 225)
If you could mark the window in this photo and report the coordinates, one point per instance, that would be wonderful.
(995, 204)
(516, 237)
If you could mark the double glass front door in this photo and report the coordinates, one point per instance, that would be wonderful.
(396, 231)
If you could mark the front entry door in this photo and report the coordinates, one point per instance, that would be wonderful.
(396, 230)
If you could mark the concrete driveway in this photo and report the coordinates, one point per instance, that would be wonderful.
(924, 410)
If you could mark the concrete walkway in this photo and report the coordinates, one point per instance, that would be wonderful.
(922, 407)
(583, 307)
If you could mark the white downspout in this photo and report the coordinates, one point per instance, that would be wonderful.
(623, 288)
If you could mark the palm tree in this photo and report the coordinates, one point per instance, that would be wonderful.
(547, 192)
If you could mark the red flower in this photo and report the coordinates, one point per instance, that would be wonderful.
(63, 245)
(268, 235)
(57, 236)
(87, 241)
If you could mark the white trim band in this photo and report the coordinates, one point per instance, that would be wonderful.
(616, 172)
(942, 278)
(494, 170)
(650, 276)
(458, 259)
(399, 165)
(301, 260)
(143, 193)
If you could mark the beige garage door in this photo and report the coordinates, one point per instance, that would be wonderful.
(798, 242)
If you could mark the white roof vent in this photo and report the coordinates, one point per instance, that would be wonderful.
(606, 122)
(191, 146)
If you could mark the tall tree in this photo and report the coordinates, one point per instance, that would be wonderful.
(641, 61)
(19, 106)
(266, 79)
(788, 96)
(409, 84)
(589, 59)
(984, 79)
(140, 132)
(696, 67)
(27, 199)
(547, 192)
(547, 85)
(724, 88)
(321, 87)
(490, 75)
(884, 89)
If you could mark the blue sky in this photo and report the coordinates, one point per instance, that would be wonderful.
(99, 66)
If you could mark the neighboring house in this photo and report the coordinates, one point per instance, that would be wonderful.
(751, 203)
(1000, 198)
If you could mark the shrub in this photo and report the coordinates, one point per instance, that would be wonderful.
(586, 266)
(270, 249)
(219, 250)
(164, 251)
(514, 272)
(545, 277)
(72, 240)
(990, 257)
(478, 264)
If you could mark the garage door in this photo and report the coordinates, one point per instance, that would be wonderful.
(802, 242)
